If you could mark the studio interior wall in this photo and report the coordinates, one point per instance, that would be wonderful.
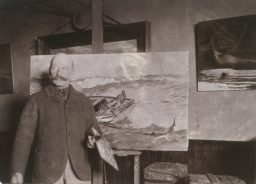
(225, 115)
(172, 30)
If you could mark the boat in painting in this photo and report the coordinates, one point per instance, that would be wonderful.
(109, 108)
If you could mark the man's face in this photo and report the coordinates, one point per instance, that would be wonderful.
(60, 70)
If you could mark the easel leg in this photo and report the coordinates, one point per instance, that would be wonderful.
(137, 169)
(98, 173)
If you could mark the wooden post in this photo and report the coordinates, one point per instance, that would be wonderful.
(98, 173)
(254, 178)
(137, 169)
(97, 28)
(41, 48)
(97, 47)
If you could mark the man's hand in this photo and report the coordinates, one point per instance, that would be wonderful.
(91, 142)
(17, 178)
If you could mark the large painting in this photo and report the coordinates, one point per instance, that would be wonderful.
(140, 99)
(226, 54)
(6, 76)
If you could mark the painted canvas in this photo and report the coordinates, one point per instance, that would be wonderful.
(140, 99)
(226, 54)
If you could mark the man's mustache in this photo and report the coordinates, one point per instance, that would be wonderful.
(58, 77)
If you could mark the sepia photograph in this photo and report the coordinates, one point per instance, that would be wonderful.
(127, 92)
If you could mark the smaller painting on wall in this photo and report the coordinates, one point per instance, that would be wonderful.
(226, 54)
(6, 77)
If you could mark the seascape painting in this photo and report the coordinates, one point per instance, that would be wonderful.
(140, 99)
(226, 54)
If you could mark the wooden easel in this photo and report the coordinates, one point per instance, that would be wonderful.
(136, 162)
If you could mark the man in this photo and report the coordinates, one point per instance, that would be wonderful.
(57, 122)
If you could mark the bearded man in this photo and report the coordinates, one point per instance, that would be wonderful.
(57, 122)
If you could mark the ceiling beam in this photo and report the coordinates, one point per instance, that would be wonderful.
(12, 4)
(46, 8)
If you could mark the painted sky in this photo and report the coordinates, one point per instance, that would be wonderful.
(127, 65)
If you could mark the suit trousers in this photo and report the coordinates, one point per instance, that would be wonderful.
(69, 176)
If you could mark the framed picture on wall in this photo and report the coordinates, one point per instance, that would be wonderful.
(6, 74)
(226, 54)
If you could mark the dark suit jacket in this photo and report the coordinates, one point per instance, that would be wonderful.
(59, 130)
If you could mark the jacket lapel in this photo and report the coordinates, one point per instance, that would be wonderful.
(52, 92)
(72, 95)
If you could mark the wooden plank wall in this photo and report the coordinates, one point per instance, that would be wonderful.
(220, 157)
(216, 157)
(5, 154)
